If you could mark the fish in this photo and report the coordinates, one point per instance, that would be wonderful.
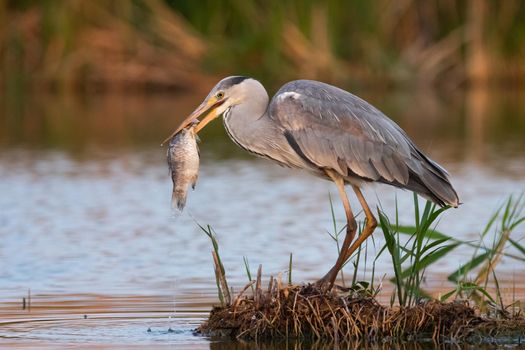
(183, 161)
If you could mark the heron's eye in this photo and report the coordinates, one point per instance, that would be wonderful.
(219, 95)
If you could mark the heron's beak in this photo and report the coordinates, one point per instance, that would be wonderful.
(208, 108)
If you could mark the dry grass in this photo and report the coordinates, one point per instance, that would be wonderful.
(96, 45)
(284, 311)
(168, 44)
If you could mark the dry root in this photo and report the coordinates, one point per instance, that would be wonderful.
(308, 312)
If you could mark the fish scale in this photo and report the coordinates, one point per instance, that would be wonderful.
(183, 162)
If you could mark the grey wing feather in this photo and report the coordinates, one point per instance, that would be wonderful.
(331, 128)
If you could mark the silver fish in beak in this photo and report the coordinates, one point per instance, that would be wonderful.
(183, 161)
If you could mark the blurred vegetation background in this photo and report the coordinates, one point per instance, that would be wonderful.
(182, 44)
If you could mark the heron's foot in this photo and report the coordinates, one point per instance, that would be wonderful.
(321, 283)
(326, 282)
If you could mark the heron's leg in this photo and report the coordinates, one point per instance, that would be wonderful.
(351, 226)
(370, 226)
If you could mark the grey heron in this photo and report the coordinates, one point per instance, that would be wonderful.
(332, 134)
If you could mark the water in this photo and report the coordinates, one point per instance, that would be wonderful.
(86, 226)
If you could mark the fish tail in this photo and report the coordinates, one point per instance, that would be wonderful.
(178, 199)
(194, 181)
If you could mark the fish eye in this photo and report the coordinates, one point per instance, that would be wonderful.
(219, 95)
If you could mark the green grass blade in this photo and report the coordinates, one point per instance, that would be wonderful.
(416, 211)
(290, 270)
(433, 244)
(221, 278)
(498, 291)
(394, 254)
(332, 212)
(507, 212)
(445, 296)
(469, 266)
(432, 216)
(429, 259)
(473, 287)
(516, 223)
(490, 223)
(485, 293)
(430, 233)
(517, 246)
(248, 273)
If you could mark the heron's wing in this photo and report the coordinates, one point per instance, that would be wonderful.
(331, 128)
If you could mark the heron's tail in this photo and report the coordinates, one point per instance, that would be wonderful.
(433, 183)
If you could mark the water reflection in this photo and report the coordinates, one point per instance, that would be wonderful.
(464, 126)
(349, 345)
(85, 200)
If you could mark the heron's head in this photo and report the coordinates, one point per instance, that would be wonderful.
(228, 93)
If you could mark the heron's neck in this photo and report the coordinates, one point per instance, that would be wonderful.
(247, 122)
